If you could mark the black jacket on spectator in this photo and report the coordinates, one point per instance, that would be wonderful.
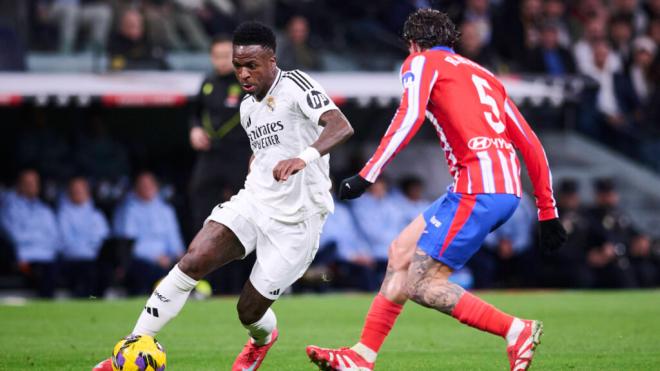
(626, 97)
(220, 171)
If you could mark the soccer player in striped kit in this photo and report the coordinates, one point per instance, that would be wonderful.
(480, 129)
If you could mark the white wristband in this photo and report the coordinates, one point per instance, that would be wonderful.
(309, 154)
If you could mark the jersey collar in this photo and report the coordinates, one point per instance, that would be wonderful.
(443, 48)
(275, 82)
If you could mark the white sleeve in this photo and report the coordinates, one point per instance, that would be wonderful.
(310, 96)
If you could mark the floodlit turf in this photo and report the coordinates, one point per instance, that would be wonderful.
(583, 331)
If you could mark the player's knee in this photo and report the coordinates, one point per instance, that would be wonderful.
(193, 263)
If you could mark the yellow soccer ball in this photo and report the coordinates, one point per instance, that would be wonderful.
(138, 353)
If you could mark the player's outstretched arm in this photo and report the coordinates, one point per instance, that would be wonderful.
(551, 233)
(336, 130)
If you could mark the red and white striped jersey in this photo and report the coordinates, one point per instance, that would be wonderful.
(479, 128)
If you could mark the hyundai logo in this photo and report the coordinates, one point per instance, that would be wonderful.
(480, 143)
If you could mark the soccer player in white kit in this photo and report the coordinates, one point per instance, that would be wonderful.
(292, 125)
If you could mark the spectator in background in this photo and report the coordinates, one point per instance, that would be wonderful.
(567, 267)
(378, 216)
(32, 229)
(633, 10)
(610, 232)
(70, 15)
(549, 56)
(470, 46)
(594, 31)
(223, 150)
(354, 259)
(507, 259)
(621, 34)
(153, 225)
(633, 87)
(583, 12)
(554, 11)
(610, 121)
(295, 52)
(83, 229)
(130, 49)
(173, 24)
(519, 32)
(477, 13)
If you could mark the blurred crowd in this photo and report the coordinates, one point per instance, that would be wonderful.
(611, 43)
(75, 246)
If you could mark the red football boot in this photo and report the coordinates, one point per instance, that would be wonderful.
(253, 355)
(343, 359)
(103, 365)
(522, 349)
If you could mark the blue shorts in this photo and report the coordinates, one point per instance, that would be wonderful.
(457, 224)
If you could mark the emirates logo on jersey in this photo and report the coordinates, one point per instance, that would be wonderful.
(480, 143)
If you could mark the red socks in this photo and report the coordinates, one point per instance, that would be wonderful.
(477, 313)
(469, 310)
(380, 319)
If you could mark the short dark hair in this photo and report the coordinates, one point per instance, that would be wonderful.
(429, 28)
(254, 33)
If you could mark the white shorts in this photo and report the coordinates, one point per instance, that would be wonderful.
(284, 250)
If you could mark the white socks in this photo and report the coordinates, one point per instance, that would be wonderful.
(260, 331)
(170, 296)
(165, 303)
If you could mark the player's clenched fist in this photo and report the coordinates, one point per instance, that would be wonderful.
(286, 168)
(552, 234)
(353, 187)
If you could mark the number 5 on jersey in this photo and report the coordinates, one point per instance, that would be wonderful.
(493, 118)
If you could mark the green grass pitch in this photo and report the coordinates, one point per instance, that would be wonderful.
(583, 331)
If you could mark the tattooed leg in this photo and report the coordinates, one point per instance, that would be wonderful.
(428, 284)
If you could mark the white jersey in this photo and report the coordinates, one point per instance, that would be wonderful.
(280, 126)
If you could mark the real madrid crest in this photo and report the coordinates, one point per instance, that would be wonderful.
(270, 102)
